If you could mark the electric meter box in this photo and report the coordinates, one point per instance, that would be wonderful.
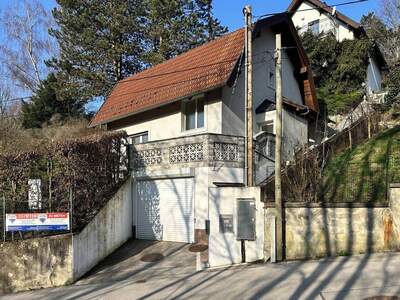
(246, 219)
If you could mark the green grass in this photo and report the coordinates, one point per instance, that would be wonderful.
(362, 173)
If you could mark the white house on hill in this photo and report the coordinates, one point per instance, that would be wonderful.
(319, 17)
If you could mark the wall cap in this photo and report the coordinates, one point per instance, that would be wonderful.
(330, 205)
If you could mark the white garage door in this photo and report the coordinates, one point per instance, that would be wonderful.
(165, 210)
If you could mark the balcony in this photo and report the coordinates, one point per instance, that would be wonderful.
(203, 150)
(377, 97)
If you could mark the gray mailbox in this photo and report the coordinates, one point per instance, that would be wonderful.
(246, 219)
(226, 223)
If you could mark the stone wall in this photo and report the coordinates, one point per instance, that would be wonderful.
(316, 231)
(35, 263)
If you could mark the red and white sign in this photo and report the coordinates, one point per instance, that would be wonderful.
(37, 221)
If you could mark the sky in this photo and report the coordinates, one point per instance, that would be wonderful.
(229, 12)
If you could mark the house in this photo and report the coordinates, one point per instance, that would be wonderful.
(320, 18)
(186, 122)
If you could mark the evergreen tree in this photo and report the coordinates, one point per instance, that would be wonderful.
(339, 68)
(46, 104)
(387, 39)
(103, 41)
(175, 26)
(100, 43)
(212, 26)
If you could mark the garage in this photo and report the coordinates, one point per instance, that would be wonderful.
(165, 210)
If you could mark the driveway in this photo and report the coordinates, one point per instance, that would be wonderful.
(357, 277)
(141, 261)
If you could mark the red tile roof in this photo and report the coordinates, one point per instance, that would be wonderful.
(201, 69)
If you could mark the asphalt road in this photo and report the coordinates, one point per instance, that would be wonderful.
(174, 277)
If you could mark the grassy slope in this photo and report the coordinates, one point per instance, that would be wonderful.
(361, 174)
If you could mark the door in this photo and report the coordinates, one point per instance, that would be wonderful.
(165, 210)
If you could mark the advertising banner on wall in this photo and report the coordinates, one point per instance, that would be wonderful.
(37, 221)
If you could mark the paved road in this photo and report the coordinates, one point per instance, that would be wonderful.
(174, 277)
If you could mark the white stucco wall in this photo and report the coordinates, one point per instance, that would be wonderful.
(374, 76)
(204, 177)
(109, 229)
(224, 248)
(166, 122)
(295, 132)
(226, 116)
(233, 97)
(302, 18)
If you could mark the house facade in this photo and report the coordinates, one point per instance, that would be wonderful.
(186, 122)
(320, 18)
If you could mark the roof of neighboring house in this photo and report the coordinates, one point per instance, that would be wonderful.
(269, 105)
(199, 70)
(325, 8)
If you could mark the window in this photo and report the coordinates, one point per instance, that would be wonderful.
(193, 114)
(268, 127)
(139, 138)
(271, 73)
(314, 27)
(270, 149)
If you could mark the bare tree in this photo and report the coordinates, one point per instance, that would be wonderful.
(390, 14)
(26, 43)
(4, 101)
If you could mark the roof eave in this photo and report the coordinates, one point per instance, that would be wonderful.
(120, 117)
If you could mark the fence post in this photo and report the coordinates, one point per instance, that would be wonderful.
(70, 209)
(4, 219)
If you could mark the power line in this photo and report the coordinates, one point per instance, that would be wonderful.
(227, 61)
(179, 82)
(316, 8)
(18, 99)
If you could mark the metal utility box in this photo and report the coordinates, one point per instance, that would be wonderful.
(226, 223)
(246, 219)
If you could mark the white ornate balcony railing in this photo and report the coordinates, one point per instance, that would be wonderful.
(189, 151)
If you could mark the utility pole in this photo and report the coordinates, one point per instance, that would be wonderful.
(249, 96)
(278, 149)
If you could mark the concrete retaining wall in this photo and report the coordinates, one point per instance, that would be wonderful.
(313, 232)
(35, 263)
(60, 260)
(111, 227)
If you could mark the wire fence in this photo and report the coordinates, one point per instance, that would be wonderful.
(366, 182)
(309, 178)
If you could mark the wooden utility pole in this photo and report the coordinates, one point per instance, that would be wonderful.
(249, 97)
(278, 149)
